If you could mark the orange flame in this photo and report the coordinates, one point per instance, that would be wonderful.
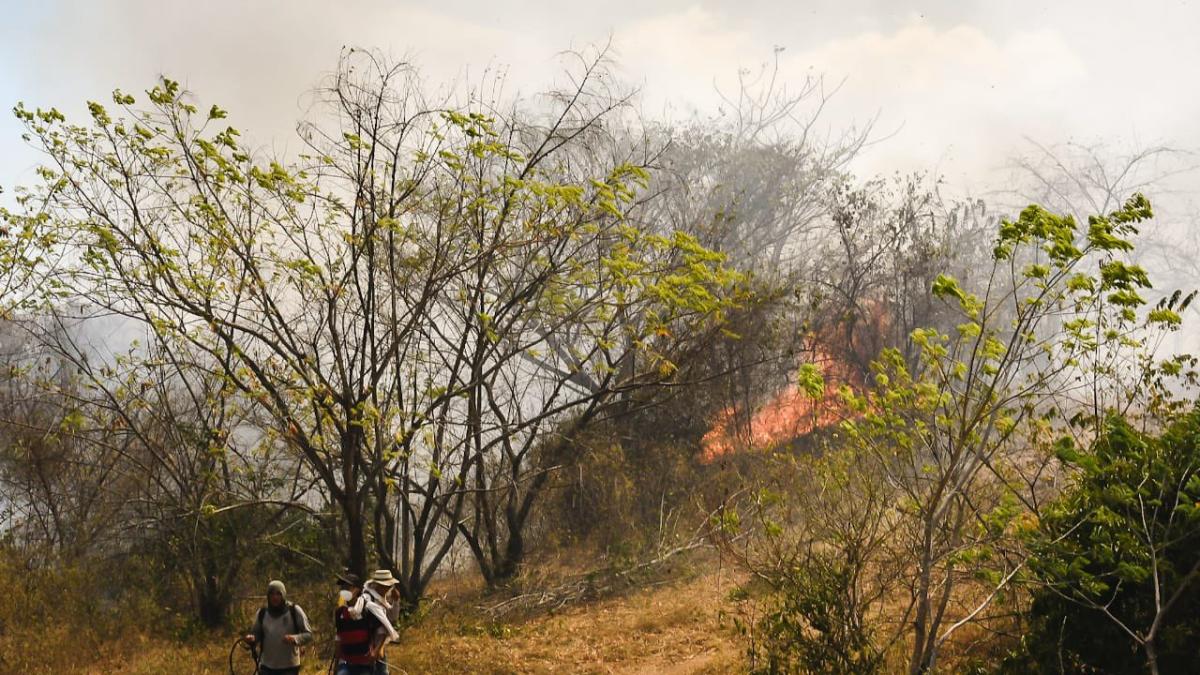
(788, 415)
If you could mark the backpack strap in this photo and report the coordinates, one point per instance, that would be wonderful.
(295, 619)
(296, 625)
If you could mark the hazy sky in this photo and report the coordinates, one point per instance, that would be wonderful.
(963, 82)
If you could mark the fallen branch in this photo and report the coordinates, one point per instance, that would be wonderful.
(588, 585)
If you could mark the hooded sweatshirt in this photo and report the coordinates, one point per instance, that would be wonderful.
(272, 624)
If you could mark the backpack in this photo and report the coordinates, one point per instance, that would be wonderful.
(296, 625)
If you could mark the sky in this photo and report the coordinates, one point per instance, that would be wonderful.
(955, 86)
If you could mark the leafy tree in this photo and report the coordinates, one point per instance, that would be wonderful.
(204, 490)
(830, 561)
(1117, 557)
(58, 475)
(420, 304)
(1053, 334)
(146, 454)
(30, 248)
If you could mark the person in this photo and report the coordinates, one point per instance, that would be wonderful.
(382, 588)
(387, 592)
(359, 621)
(348, 584)
(280, 628)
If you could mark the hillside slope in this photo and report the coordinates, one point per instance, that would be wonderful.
(667, 628)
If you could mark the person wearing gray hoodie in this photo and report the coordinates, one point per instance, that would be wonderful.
(280, 628)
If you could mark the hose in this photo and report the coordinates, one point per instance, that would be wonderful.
(249, 646)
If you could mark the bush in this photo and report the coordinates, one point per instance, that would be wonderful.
(814, 625)
(44, 608)
(1117, 558)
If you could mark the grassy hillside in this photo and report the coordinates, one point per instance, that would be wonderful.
(672, 627)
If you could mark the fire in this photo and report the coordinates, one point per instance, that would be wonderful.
(849, 337)
(788, 415)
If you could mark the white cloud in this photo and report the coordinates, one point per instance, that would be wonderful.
(679, 54)
(919, 60)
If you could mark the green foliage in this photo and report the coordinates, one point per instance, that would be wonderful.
(953, 451)
(1118, 550)
(29, 249)
(824, 554)
(811, 627)
(408, 280)
(810, 381)
(971, 389)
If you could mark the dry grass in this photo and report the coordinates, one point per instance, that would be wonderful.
(668, 629)
(671, 628)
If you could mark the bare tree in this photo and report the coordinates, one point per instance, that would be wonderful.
(868, 285)
(751, 181)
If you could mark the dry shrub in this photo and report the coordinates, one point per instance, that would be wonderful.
(59, 619)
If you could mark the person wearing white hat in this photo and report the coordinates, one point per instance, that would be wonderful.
(381, 586)
(362, 629)
(385, 589)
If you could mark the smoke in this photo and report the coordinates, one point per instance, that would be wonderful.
(960, 85)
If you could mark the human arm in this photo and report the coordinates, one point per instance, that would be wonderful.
(256, 629)
(303, 634)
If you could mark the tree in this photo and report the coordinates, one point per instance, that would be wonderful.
(30, 249)
(58, 475)
(1117, 557)
(1080, 179)
(831, 563)
(957, 438)
(575, 304)
(205, 489)
(749, 181)
(145, 454)
(414, 303)
(868, 285)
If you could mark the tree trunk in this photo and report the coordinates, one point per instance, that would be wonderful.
(917, 660)
(509, 564)
(212, 602)
(516, 516)
(356, 545)
(352, 501)
(922, 631)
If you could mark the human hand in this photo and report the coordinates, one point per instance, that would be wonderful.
(291, 639)
(249, 638)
